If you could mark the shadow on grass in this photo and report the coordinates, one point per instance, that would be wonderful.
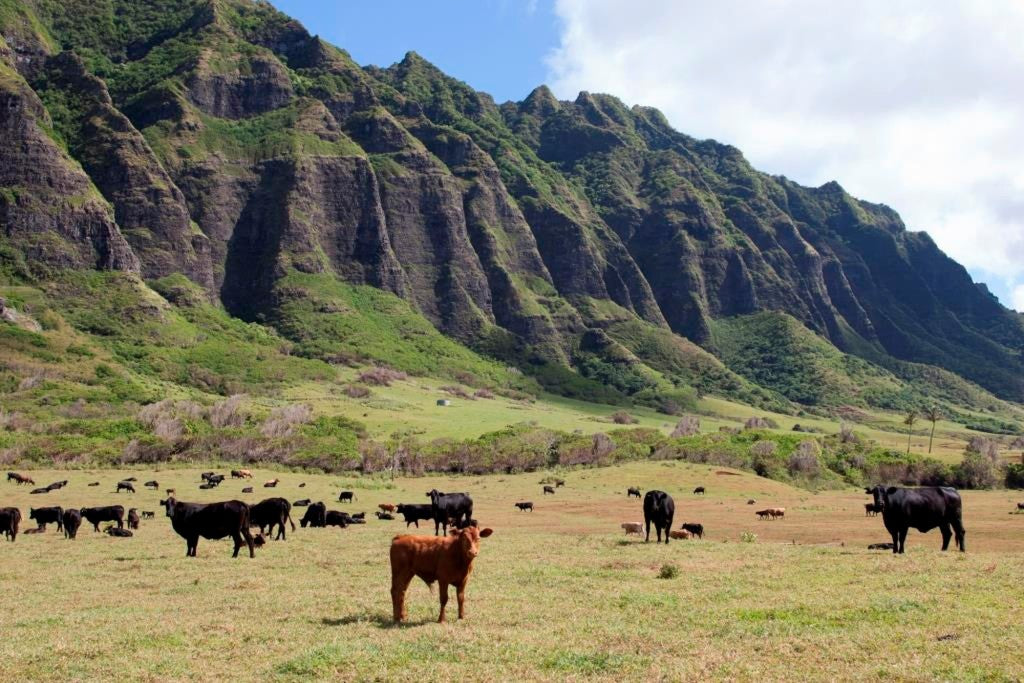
(379, 620)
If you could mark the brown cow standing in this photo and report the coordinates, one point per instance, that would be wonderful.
(445, 559)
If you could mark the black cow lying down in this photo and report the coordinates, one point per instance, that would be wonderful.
(212, 520)
(923, 509)
(880, 546)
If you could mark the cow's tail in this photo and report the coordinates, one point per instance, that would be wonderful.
(290, 520)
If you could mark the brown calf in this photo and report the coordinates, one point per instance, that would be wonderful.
(387, 507)
(681, 534)
(271, 484)
(445, 559)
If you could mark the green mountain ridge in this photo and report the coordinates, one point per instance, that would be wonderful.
(223, 159)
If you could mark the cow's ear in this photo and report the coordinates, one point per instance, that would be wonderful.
(484, 533)
(869, 491)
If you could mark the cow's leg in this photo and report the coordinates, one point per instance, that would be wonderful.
(946, 535)
(903, 539)
(399, 584)
(647, 537)
(958, 529)
(191, 543)
(443, 593)
(120, 523)
(460, 594)
(895, 540)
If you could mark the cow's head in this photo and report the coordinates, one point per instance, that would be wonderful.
(879, 493)
(468, 540)
(168, 505)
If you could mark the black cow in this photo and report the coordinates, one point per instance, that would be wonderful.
(44, 516)
(72, 519)
(125, 486)
(95, 483)
(923, 509)
(336, 518)
(525, 506)
(116, 531)
(316, 516)
(40, 490)
(445, 506)
(301, 503)
(57, 485)
(695, 529)
(632, 491)
(660, 509)
(559, 482)
(414, 512)
(549, 489)
(205, 475)
(213, 521)
(247, 489)
(207, 486)
(871, 510)
(215, 480)
(880, 546)
(10, 520)
(147, 514)
(698, 490)
(302, 485)
(270, 513)
(362, 516)
(346, 497)
(1020, 506)
(152, 484)
(386, 516)
(110, 513)
(133, 519)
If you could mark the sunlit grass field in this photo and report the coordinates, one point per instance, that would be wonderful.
(556, 594)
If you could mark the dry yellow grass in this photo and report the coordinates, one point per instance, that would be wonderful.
(558, 594)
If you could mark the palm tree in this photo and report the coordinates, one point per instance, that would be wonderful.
(910, 420)
(932, 415)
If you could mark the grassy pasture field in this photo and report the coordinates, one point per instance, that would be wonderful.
(557, 594)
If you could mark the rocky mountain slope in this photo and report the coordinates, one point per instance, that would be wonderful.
(587, 243)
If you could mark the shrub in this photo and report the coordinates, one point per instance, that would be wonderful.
(763, 449)
(169, 428)
(748, 537)
(381, 376)
(846, 434)
(760, 423)
(976, 471)
(1015, 476)
(982, 446)
(483, 393)
(668, 571)
(282, 420)
(356, 391)
(227, 413)
(621, 417)
(688, 425)
(805, 460)
(456, 391)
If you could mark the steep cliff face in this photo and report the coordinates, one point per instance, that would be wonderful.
(220, 140)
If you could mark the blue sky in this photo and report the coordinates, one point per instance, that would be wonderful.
(497, 46)
(913, 104)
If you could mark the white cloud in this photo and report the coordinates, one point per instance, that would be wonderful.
(912, 103)
(1018, 298)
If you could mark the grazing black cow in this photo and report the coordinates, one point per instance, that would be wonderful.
(205, 475)
(660, 509)
(923, 509)
(44, 516)
(302, 485)
(632, 491)
(40, 490)
(10, 520)
(414, 512)
(125, 486)
(316, 516)
(385, 516)
(152, 484)
(247, 489)
(95, 483)
(549, 489)
(559, 482)
(133, 519)
(445, 506)
(117, 531)
(524, 506)
(871, 510)
(110, 513)
(301, 503)
(57, 485)
(148, 514)
(1020, 506)
(335, 518)
(698, 490)
(346, 497)
(270, 513)
(694, 528)
(71, 519)
(215, 480)
(213, 521)
(751, 501)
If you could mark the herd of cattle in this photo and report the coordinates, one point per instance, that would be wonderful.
(447, 557)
